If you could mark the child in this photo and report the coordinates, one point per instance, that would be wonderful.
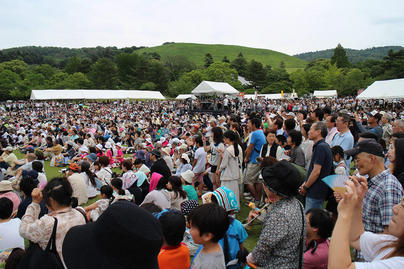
(186, 178)
(173, 253)
(186, 208)
(339, 163)
(232, 243)
(281, 141)
(95, 210)
(119, 193)
(209, 223)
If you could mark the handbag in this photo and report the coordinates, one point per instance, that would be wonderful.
(35, 257)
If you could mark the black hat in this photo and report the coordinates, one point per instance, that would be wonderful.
(369, 146)
(156, 153)
(124, 236)
(282, 178)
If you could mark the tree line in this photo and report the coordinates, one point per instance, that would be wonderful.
(173, 75)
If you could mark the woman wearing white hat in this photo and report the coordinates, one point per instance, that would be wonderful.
(184, 166)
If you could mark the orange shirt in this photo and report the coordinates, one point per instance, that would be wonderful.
(174, 257)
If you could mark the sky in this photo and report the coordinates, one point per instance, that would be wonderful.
(287, 26)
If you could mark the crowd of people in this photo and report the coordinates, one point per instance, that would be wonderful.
(151, 184)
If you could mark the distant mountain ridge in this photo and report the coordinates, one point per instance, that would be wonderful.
(354, 55)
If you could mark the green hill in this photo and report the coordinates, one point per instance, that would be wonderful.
(196, 53)
(354, 55)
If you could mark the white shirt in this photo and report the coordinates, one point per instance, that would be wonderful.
(200, 157)
(10, 236)
(330, 135)
(371, 245)
(91, 189)
(105, 175)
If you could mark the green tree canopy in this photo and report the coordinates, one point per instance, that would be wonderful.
(339, 58)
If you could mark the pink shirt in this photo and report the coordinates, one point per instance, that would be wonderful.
(13, 197)
(319, 259)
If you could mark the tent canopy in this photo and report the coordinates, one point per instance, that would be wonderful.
(325, 94)
(214, 88)
(185, 96)
(384, 89)
(93, 94)
(272, 96)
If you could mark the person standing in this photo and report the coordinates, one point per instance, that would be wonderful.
(257, 140)
(332, 129)
(344, 138)
(321, 165)
(199, 164)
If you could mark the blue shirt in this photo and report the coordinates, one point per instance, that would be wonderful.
(258, 140)
(322, 155)
(345, 141)
(236, 235)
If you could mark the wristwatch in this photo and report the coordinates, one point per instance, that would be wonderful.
(305, 188)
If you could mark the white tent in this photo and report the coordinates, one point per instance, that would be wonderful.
(250, 96)
(94, 94)
(185, 96)
(384, 89)
(214, 88)
(325, 94)
(271, 96)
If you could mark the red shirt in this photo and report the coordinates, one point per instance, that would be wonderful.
(174, 257)
(319, 259)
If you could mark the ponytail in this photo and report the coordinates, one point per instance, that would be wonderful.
(117, 183)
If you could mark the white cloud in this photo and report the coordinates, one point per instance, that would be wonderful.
(287, 26)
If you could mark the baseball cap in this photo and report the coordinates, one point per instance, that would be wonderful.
(369, 146)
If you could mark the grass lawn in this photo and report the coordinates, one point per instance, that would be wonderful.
(196, 54)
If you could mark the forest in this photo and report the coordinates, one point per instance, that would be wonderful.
(27, 68)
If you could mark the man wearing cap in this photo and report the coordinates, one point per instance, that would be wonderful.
(384, 190)
(373, 124)
(159, 165)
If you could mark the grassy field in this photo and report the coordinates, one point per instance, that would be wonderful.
(196, 53)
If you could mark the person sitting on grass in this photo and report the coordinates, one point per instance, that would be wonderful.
(28, 183)
(118, 192)
(9, 234)
(38, 166)
(319, 225)
(160, 195)
(94, 210)
(186, 179)
(209, 223)
(173, 252)
(178, 195)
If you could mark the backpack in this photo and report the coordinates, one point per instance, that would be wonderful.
(35, 257)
